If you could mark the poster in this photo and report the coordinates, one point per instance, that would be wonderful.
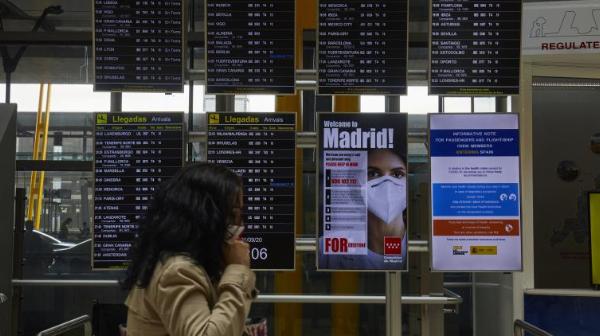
(362, 192)
(475, 192)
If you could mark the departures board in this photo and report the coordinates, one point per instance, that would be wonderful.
(133, 154)
(261, 149)
(250, 46)
(362, 47)
(475, 47)
(138, 45)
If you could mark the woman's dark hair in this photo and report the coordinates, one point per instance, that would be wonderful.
(188, 215)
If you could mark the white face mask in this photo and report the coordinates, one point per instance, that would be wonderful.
(234, 232)
(386, 197)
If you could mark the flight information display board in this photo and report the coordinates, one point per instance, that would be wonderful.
(261, 148)
(362, 46)
(475, 47)
(138, 45)
(133, 154)
(250, 46)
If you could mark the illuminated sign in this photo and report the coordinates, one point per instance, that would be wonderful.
(133, 154)
(475, 192)
(261, 149)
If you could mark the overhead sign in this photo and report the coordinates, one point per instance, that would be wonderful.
(138, 45)
(250, 46)
(475, 47)
(475, 192)
(133, 154)
(362, 192)
(561, 27)
(362, 47)
(261, 148)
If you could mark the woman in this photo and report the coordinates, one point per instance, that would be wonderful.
(190, 273)
(386, 193)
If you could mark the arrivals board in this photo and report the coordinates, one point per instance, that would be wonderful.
(261, 149)
(133, 154)
(138, 45)
(475, 192)
(362, 47)
(475, 47)
(250, 46)
(362, 192)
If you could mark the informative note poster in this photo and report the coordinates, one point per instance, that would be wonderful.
(261, 149)
(138, 45)
(133, 154)
(362, 192)
(475, 192)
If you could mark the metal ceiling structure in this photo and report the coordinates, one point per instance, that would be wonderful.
(60, 51)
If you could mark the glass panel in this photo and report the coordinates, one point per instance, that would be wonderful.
(82, 98)
(261, 103)
(370, 104)
(457, 104)
(210, 103)
(61, 248)
(418, 101)
(157, 102)
(73, 98)
(485, 104)
(59, 244)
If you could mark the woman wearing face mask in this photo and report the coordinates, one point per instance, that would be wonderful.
(190, 273)
(386, 193)
(386, 215)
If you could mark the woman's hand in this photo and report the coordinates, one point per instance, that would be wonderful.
(237, 252)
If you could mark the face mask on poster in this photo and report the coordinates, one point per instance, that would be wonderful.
(386, 197)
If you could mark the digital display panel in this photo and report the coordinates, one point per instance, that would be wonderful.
(138, 45)
(362, 192)
(261, 149)
(133, 154)
(250, 46)
(475, 192)
(362, 47)
(475, 47)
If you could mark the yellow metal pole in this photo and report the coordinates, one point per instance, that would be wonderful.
(35, 155)
(345, 317)
(38, 213)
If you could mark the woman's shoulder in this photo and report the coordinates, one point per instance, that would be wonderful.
(177, 267)
(178, 260)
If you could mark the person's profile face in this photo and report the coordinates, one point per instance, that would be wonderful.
(238, 207)
(384, 162)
